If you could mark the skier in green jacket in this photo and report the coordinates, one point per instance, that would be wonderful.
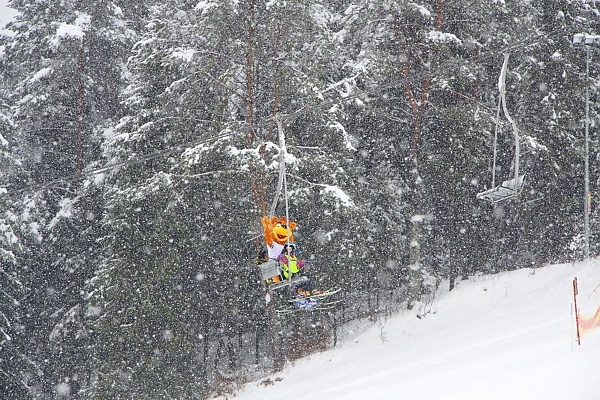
(290, 264)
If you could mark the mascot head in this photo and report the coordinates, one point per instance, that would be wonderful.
(278, 229)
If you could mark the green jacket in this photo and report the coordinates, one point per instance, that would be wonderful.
(289, 263)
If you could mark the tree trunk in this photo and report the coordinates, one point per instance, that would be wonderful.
(256, 175)
(417, 211)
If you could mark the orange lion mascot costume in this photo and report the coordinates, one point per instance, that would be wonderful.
(278, 231)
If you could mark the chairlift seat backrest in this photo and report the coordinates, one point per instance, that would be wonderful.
(269, 269)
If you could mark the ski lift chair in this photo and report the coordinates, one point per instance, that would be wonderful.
(510, 188)
(507, 190)
(270, 272)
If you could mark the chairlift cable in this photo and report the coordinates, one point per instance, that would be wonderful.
(109, 167)
(519, 45)
(324, 104)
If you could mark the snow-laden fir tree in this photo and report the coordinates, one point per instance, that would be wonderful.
(15, 366)
(64, 62)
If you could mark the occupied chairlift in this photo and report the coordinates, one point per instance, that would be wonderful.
(508, 189)
(271, 268)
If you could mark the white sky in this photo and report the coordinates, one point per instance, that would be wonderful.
(5, 13)
(509, 336)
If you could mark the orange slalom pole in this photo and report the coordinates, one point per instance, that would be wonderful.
(576, 310)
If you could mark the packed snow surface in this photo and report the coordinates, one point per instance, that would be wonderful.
(505, 336)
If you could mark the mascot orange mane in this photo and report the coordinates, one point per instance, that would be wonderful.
(277, 231)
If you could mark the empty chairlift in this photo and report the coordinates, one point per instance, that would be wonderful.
(510, 188)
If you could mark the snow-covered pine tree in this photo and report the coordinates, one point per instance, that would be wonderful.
(15, 366)
(170, 264)
(64, 64)
(555, 105)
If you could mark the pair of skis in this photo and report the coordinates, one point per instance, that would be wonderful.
(317, 307)
(313, 302)
(321, 295)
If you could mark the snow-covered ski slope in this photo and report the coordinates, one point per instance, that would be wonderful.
(507, 336)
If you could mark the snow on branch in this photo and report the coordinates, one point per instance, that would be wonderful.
(334, 191)
(41, 74)
(345, 83)
(72, 31)
(424, 11)
(8, 234)
(7, 337)
(69, 324)
(66, 211)
(346, 136)
(184, 55)
(204, 6)
(339, 194)
(441, 37)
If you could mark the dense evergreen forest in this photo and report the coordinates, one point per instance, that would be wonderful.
(139, 148)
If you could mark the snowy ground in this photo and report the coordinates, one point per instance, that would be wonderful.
(507, 336)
